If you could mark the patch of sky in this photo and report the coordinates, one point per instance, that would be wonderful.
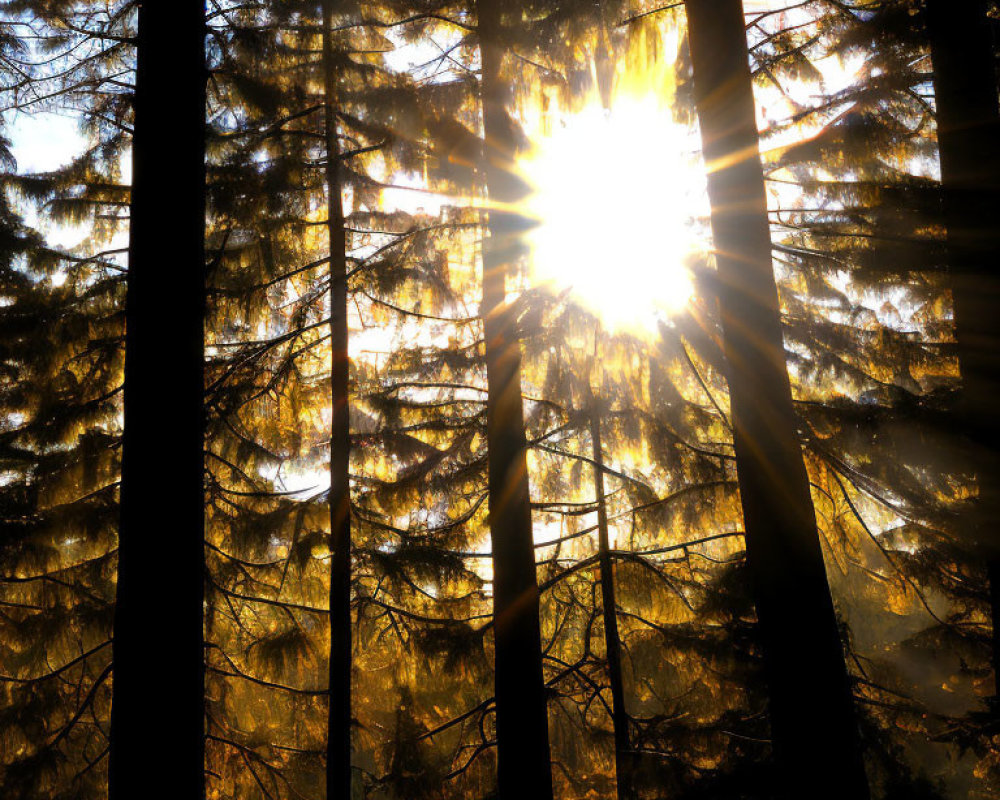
(429, 58)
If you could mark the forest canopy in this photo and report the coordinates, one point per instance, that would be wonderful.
(513, 399)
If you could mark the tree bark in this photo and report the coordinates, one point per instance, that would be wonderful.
(523, 762)
(624, 755)
(814, 733)
(158, 714)
(965, 88)
(338, 754)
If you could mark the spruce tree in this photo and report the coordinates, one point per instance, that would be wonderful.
(158, 638)
(338, 753)
(868, 322)
(62, 333)
(61, 365)
(803, 655)
(968, 125)
(856, 226)
(522, 721)
(624, 758)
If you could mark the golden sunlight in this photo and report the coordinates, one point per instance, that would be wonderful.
(620, 202)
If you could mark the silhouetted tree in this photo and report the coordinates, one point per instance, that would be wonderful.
(158, 638)
(968, 119)
(522, 724)
(811, 705)
(60, 411)
(338, 753)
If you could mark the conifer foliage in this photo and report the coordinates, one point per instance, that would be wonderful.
(323, 477)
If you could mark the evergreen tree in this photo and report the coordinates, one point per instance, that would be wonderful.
(338, 754)
(59, 405)
(522, 725)
(270, 287)
(624, 759)
(62, 331)
(784, 559)
(968, 121)
(158, 638)
(352, 633)
(866, 307)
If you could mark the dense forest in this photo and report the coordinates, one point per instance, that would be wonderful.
(517, 399)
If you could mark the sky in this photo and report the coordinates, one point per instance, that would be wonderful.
(40, 143)
(44, 141)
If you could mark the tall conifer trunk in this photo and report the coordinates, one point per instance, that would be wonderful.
(523, 762)
(624, 755)
(815, 737)
(965, 87)
(157, 715)
(338, 753)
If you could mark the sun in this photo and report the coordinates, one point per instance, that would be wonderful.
(620, 202)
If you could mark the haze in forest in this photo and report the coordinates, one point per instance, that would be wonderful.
(494, 399)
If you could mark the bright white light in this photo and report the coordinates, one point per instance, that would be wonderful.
(620, 201)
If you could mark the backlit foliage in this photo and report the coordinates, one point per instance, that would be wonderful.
(849, 152)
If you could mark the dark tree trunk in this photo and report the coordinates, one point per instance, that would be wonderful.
(523, 763)
(814, 733)
(338, 752)
(965, 87)
(624, 755)
(158, 714)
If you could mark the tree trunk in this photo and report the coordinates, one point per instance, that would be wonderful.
(338, 753)
(965, 88)
(814, 733)
(624, 755)
(523, 763)
(158, 714)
